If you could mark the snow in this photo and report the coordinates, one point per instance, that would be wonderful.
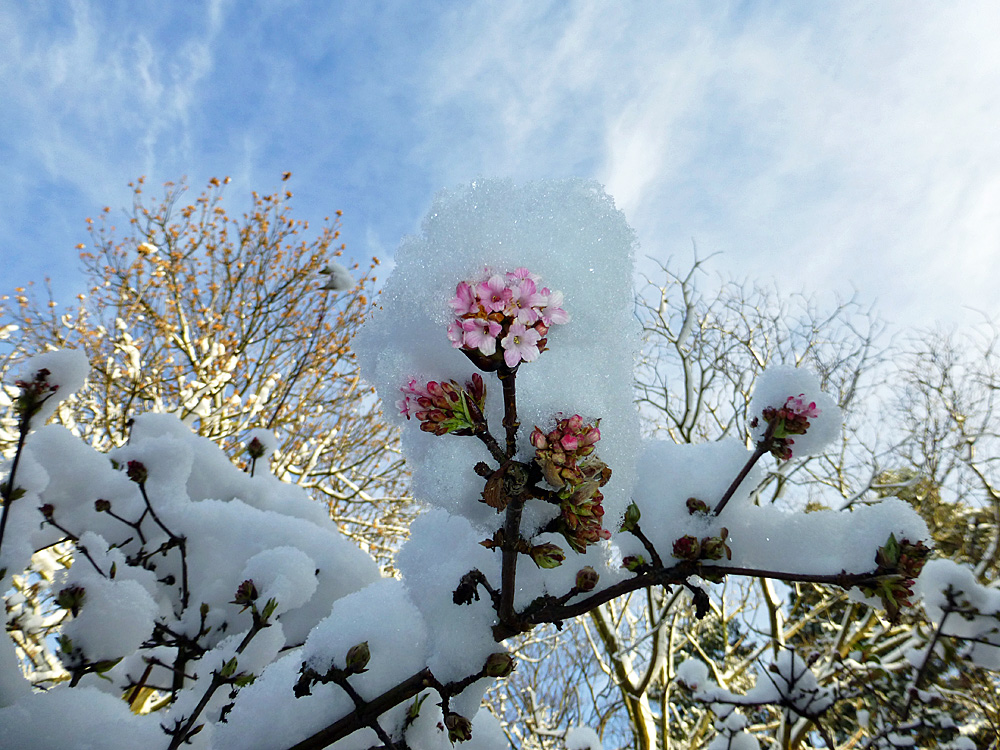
(123, 602)
(773, 389)
(759, 537)
(382, 615)
(583, 738)
(571, 235)
(339, 278)
(285, 574)
(693, 673)
(945, 585)
(205, 527)
(67, 372)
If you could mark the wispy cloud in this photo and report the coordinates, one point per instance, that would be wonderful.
(825, 144)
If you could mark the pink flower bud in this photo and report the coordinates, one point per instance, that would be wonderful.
(587, 578)
(569, 442)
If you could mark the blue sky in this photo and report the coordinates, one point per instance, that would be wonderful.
(833, 145)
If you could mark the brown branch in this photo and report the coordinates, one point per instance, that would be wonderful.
(762, 447)
(374, 708)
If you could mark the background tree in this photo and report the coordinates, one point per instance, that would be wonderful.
(224, 321)
(705, 344)
(315, 645)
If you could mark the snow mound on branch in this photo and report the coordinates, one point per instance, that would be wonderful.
(67, 371)
(773, 389)
(568, 232)
(962, 607)
(123, 602)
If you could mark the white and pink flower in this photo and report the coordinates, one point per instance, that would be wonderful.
(504, 318)
(520, 344)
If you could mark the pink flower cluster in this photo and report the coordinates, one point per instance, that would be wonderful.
(790, 419)
(506, 309)
(446, 406)
(565, 456)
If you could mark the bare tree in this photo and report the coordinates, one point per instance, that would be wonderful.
(227, 322)
(706, 341)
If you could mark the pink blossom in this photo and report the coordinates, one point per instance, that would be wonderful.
(493, 293)
(523, 273)
(798, 406)
(508, 307)
(519, 344)
(552, 313)
(456, 333)
(411, 393)
(464, 301)
(569, 442)
(481, 334)
(524, 302)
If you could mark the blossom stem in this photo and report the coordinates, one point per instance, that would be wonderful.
(653, 554)
(510, 422)
(508, 572)
(491, 442)
(763, 446)
(179, 541)
(8, 486)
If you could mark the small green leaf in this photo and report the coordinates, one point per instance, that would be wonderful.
(244, 679)
(229, 668)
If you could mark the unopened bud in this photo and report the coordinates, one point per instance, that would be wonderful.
(547, 555)
(256, 448)
(687, 548)
(357, 658)
(47, 510)
(633, 562)
(459, 728)
(587, 578)
(246, 594)
(694, 505)
(714, 548)
(137, 471)
(102, 506)
(499, 664)
(631, 519)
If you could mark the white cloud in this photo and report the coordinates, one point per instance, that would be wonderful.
(821, 143)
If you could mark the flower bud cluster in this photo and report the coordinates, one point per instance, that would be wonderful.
(689, 547)
(790, 419)
(459, 728)
(34, 393)
(565, 457)
(506, 309)
(547, 555)
(137, 471)
(246, 594)
(901, 563)
(445, 407)
(256, 449)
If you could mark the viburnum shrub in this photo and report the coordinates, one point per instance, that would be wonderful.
(229, 607)
(513, 310)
